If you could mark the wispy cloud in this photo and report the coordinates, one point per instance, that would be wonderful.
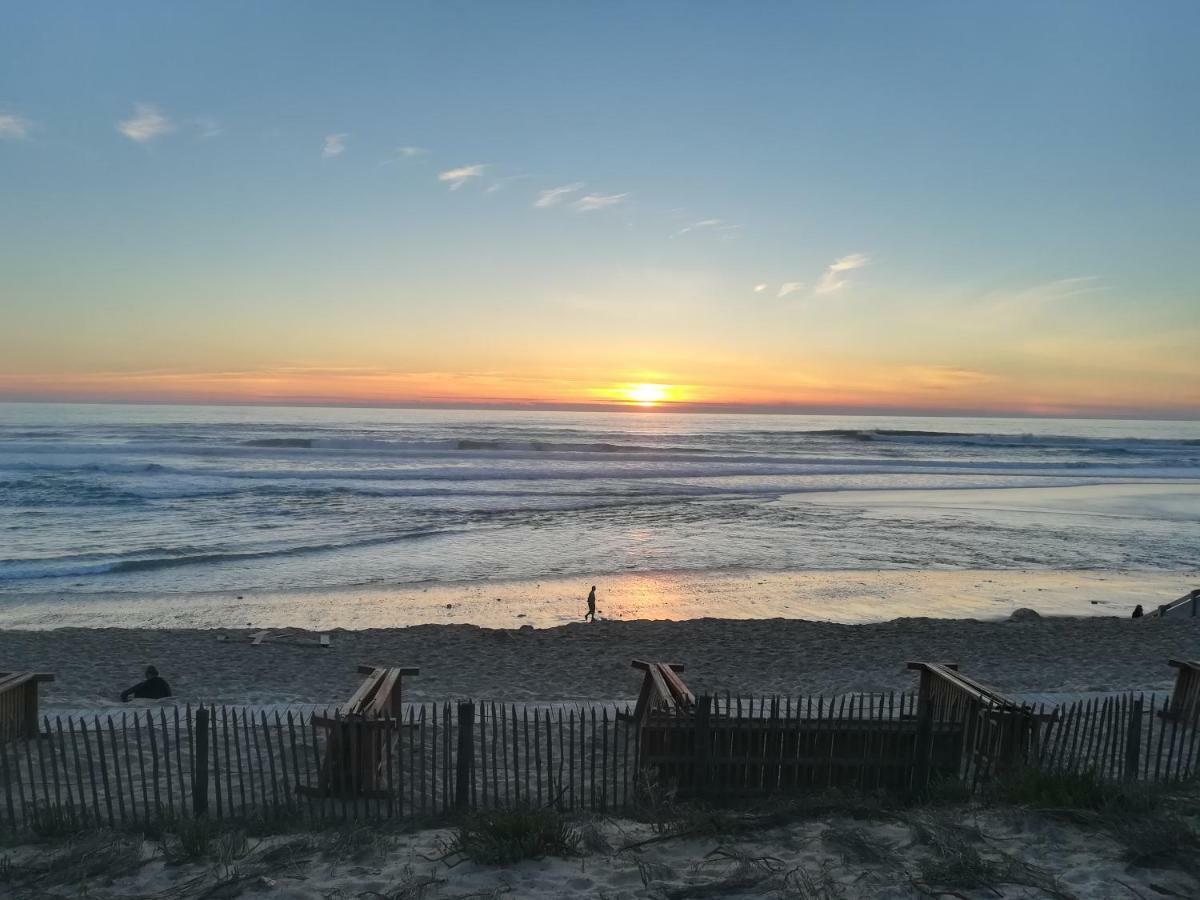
(500, 184)
(456, 178)
(555, 196)
(1041, 295)
(945, 377)
(410, 152)
(335, 145)
(833, 279)
(759, 288)
(146, 124)
(725, 230)
(14, 127)
(593, 202)
(208, 127)
(790, 287)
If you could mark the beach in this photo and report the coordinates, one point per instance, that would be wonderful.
(577, 662)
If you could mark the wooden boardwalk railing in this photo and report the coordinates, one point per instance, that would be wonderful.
(19, 703)
(1187, 605)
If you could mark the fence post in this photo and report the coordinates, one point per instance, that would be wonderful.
(200, 778)
(1133, 740)
(466, 756)
(924, 742)
(702, 743)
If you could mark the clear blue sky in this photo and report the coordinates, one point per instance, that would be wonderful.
(958, 205)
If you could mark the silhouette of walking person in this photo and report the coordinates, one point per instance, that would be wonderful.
(1137, 611)
(591, 613)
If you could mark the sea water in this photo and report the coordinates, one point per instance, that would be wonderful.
(185, 499)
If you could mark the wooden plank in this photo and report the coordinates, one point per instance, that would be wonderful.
(466, 717)
(681, 691)
(412, 757)
(54, 754)
(664, 696)
(255, 770)
(433, 760)
(321, 789)
(214, 759)
(1158, 757)
(258, 637)
(364, 692)
(83, 807)
(497, 740)
(104, 772)
(555, 783)
(291, 723)
(283, 760)
(166, 744)
(237, 760)
(87, 746)
(382, 701)
(200, 776)
(7, 772)
(571, 758)
(422, 762)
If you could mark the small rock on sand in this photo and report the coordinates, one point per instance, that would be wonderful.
(1024, 615)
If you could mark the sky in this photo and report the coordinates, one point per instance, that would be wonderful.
(937, 207)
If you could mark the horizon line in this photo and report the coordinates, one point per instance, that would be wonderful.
(676, 408)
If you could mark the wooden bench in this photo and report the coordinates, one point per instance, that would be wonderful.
(360, 736)
(1186, 696)
(662, 690)
(19, 704)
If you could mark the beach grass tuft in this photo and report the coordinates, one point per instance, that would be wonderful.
(857, 845)
(506, 836)
(56, 821)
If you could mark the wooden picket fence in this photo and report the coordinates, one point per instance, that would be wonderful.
(437, 759)
(237, 763)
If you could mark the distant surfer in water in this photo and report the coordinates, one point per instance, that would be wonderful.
(591, 613)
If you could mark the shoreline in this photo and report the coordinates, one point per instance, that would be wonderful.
(591, 662)
(847, 596)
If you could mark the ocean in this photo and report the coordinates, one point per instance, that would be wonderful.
(166, 500)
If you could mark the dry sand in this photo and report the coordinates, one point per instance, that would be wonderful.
(814, 858)
(586, 661)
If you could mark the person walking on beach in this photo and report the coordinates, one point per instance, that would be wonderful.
(591, 613)
(153, 688)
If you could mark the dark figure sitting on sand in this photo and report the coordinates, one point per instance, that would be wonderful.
(591, 613)
(1137, 611)
(153, 688)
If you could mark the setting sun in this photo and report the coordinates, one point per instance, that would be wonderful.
(647, 394)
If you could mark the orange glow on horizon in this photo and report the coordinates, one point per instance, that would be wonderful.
(832, 387)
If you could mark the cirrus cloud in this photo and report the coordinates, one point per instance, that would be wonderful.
(833, 279)
(14, 127)
(554, 196)
(593, 202)
(456, 178)
(146, 124)
(335, 145)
